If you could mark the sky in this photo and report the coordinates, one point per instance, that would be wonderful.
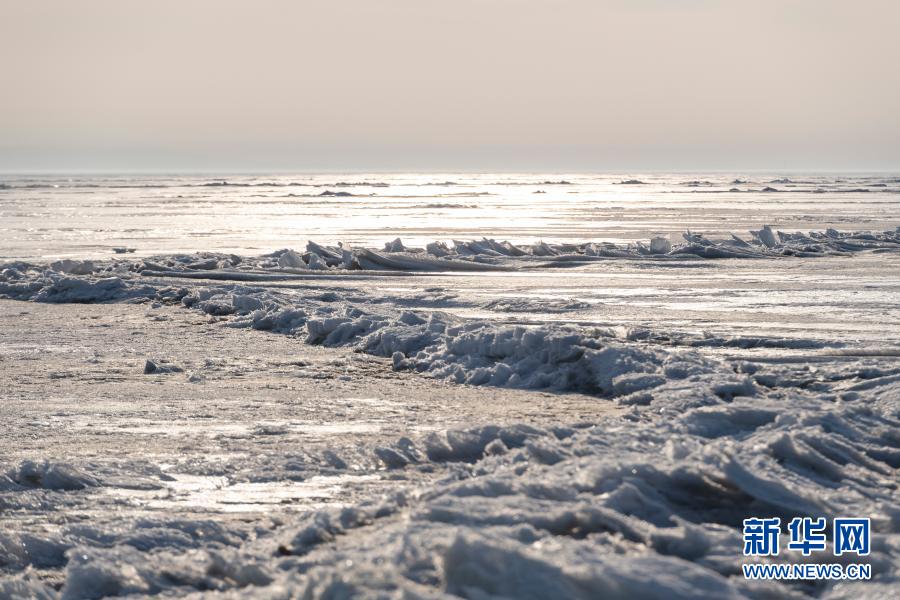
(449, 85)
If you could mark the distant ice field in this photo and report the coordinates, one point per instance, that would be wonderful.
(849, 301)
(86, 217)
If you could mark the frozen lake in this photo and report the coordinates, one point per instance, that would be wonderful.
(212, 414)
(42, 217)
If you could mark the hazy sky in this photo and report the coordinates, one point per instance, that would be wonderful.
(482, 85)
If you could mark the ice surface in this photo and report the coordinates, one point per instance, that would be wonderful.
(262, 214)
(469, 351)
(647, 503)
(648, 507)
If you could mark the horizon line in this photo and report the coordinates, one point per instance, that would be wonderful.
(454, 171)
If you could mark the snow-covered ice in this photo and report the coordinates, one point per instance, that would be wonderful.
(453, 416)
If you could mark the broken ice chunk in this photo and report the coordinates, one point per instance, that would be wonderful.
(660, 245)
(291, 259)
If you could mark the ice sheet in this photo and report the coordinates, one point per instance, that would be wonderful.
(755, 375)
